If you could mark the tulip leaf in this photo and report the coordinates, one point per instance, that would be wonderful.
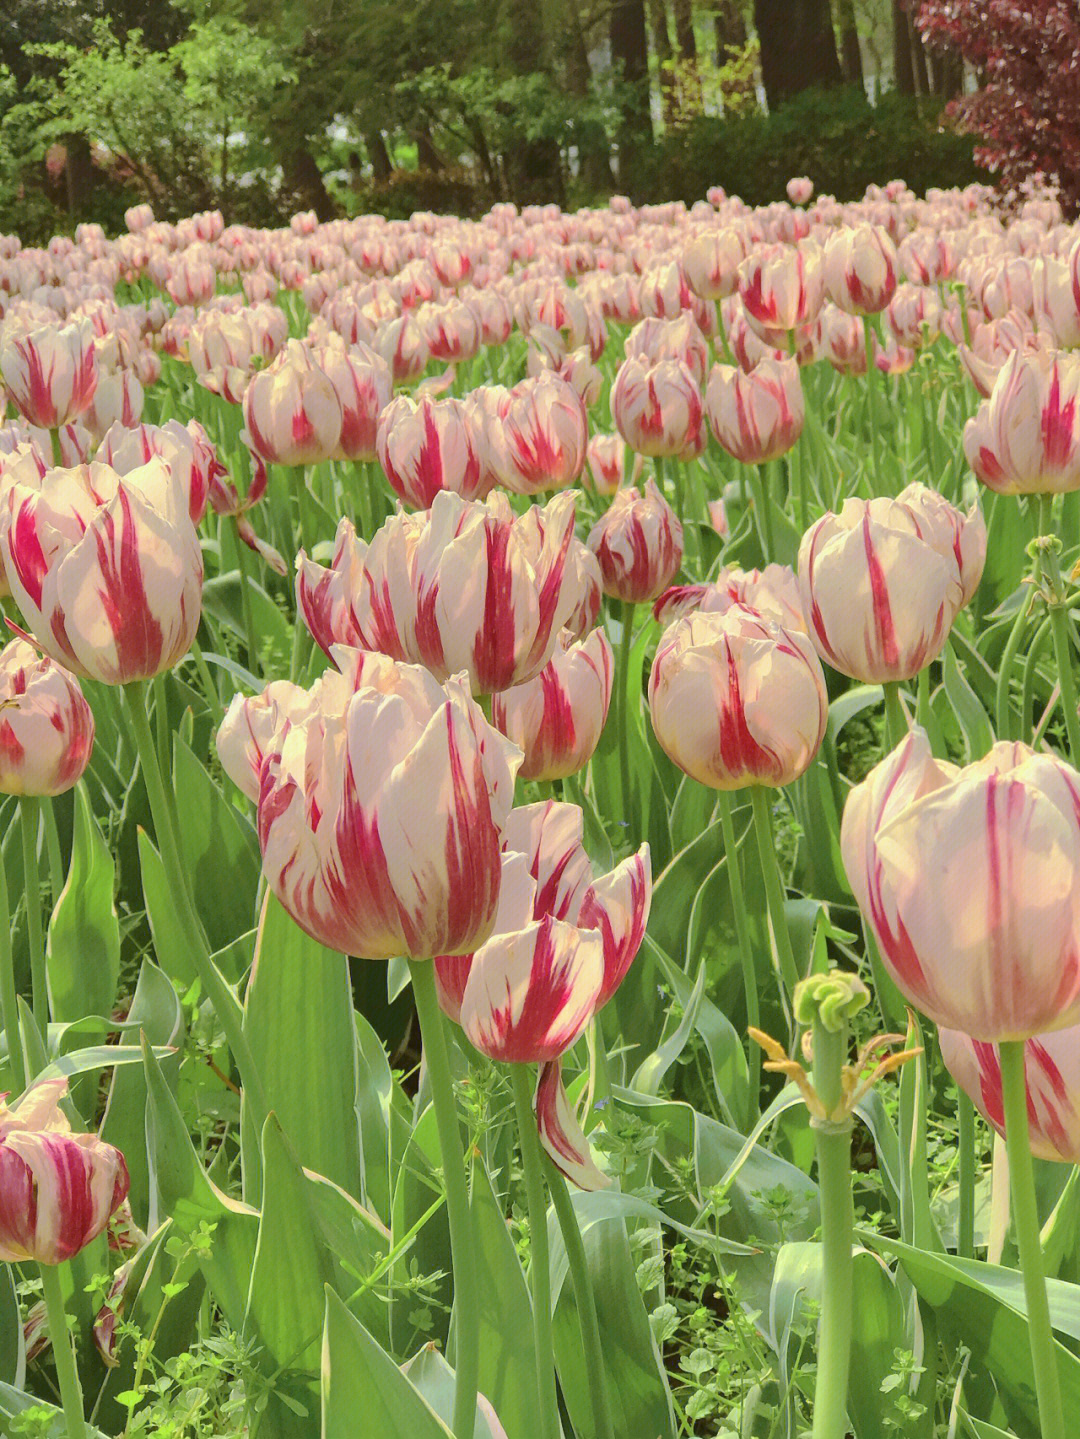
(979, 1429)
(415, 1189)
(364, 1393)
(298, 1019)
(434, 1381)
(171, 945)
(83, 950)
(974, 724)
(222, 600)
(14, 1402)
(851, 703)
(12, 1348)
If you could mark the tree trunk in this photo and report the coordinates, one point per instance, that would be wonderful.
(665, 67)
(689, 75)
(850, 53)
(594, 147)
(918, 58)
(729, 25)
(903, 69)
(304, 178)
(78, 176)
(630, 53)
(798, 47)
(379, 156)
(533, 167)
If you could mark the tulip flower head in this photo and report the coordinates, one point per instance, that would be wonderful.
(46, 725)
(860, 268)
(556, 719)
(429, 445)
(657, 406)
(638, 543)
(50, 371)
(292, 410)
(756, 416)
(1025, 439)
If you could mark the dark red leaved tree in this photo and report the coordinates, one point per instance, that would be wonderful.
(1027, 106)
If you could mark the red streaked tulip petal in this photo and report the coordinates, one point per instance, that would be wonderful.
(561, 1134)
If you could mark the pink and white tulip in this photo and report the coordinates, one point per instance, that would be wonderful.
(51, 372)
(46, 725)
(556, 719)
(756, 416)
(638, 544)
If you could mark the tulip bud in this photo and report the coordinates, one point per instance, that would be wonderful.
(556, 719)
(711, 262)
(859, 268)
(1025, 439)
(657, 408)
(427, 446)
(756, 416)
(46, 725)
(606, 458)
(538, 443)
(970, 879)
(737, 700)
(51, 372)
(364, 386)
(782, 286)
(57, 1189)
(638, 543)
(292, 411)
(800, 189)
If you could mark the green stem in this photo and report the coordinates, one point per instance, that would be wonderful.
(742, 934)
(586, 1301)
(57, 454)
(797, 484)
(1027, 691)
(1026, 1223)
(226, 1005)
(965, 1113)
(462, 1230)
(922, 698)
(251, 637)
(762, 502)
(774, 887)
(1059, 629)
(626, 643)
(9, 1005)
(52, 849)
(29, 812)
(63, 1352)
(872, 402)
(213, 699)
(833, 1142)
(539, 1260)
(896, 725)
(1002, 708)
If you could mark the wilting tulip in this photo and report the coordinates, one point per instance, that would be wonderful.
(107, 571)
(859, 268)
(657, 407)
(970, 879)
(1052, 1071)
(606, 459)
(881, 587)
(772, 592)
(556, 719)
(58, 1189)
(46, 726)
(292, 411)
(638, 543)
(756, 416)
(464, 586)
(539, 441)
(430, 445)
(1025, 439)
(737, 700)
(51, 372)
(781, 286)
(380, 825)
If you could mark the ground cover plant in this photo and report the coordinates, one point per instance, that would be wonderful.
(540, 885)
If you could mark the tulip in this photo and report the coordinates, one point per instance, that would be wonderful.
(949, 531)
(364, 385)
(1052, 1069)
(46, 725)
(1026, 438)
(638, 544)
(427, 446)
(881, 587)
(250, 723)
(757, 416)
(58, 1189)
(186, 449)
(403, 345)
(118, 399)
(781, 286)
(711, 262)
(292, 410)
(606, 460)
(859, 268)
(772, 592)
(556, 719)
(970, 879)
(657, 407)
(653, 340)
(50, 372)
(380, 824)
(107, 571)
(538, 443)
(737, 700)
(800, 188)
(452, 330)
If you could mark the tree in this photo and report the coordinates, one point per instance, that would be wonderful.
(1027, 110)
(630, 54)
(798, 47)
(850, 52)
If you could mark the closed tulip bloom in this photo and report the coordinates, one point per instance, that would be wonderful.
(859, 268)
(118, 399)
(46, 725)
(652, 340)
(638, 543)
(556, 719)
(949, 531)
(292, 411)
(970, 879)
(107, 571)
(186, 449)
(880, 597)
(737, 700)
(1055, 301)
(51, 372)
(606, 459)
(927, 258)
(1052, 1072)
(711, 262)
(381, 825)
(402, 343)
(772, 592)
(800, 189)
(250, 724)
(364, 386)
(452, 330)
(428, 445)
(539, 443)
(756, 416)
(1025, 439)
(58, 1189)
(657, 407)
(914, 314)
(782, 286)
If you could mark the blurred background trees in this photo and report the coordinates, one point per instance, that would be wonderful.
(264, 106)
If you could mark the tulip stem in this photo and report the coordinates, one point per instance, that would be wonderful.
(872, 401)
(763, 502)
(1002, 709)
(1026, 1222)
(896, 721)
(586, 1301)
(833, 1143)
(774, 888)
(626, 643)
(965, 1236)
(224, 1001)
(539, 1259)
(57, 451)
(67, 1374)
(29, 814)
(245, 602)
(9, 1005)
(742, 934)
(1063, 653)
(462, 1230)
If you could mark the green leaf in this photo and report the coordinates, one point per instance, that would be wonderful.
(83, 951)
(974, 724)
(434, 1380)
(220, 852)
(364, 1393)
(12, 1348)
(171, 945)
(14, 1402)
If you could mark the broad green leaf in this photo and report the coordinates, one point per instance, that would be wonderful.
(83, 951)
(14, 1402)
(12, 1349)
(976, 727)
(434, 1380)
(171, 945)
(416, 1186)
(220, 852)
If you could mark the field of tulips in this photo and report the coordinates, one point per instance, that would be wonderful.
(541, 843)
